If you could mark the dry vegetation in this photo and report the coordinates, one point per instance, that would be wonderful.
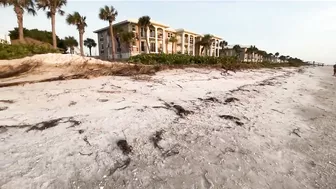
(7, 71)
(89, 68)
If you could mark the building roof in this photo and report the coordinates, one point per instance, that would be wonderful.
(170, 29)
(102, 29)
(187, 31)
(241, 46)
(216, 37)
(134, 21)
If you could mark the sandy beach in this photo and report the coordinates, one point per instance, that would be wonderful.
(190, 128)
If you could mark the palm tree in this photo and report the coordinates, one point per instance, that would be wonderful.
(79, 21)
(109, 14)
(128, 38)
(288, 57)
(250, 52)
(276, 55)
(270, 57)
(19, 8)
(264, 55)
(282, 58)
(145, 22)
(70, 42)
(237, 49)
(253, 50)
(173, 40)
(223, 44)
(206, 42)
(54, 6)
(89, 43)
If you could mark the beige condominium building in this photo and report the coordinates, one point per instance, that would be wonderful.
(159, 39)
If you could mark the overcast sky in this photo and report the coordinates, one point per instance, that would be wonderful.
(306, 30)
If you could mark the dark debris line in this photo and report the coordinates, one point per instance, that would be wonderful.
(124, 147)
(179, 110)
(126, 150)
(2, 108)
(41, 126)
(7, 101)
(232, 118)
(156, 138)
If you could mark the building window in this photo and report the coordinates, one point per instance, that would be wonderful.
(151, 33)
(170, 35)
(102, 52)
(133, 28)
(142, 32)
(152, 47)
(142, 44)
(134, 43)
(101, 37)
(191, 39)
(102, 46)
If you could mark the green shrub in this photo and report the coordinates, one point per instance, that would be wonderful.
(8, 51)
(179, 59)
(228, 63)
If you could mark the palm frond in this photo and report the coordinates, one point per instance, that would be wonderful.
(48, 13)
(52, 5)
(61, 12)
(62, 3)
(103, 14)
(107, 8)
(144, 21)
(70, 19)
(108, 13)
(31, 11)
(5, 3)
(77, 20)
(42, 4)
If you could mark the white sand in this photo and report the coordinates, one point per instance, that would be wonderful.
(212, 152)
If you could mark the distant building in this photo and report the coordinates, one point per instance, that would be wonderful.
(5, 39)
(244, 56)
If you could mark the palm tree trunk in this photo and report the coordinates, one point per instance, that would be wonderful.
(172, 47)
(129, 46)
(112, 41)
(90, 51)
(81, 42)
(147, 42)
(53, 29)
(19, 15)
